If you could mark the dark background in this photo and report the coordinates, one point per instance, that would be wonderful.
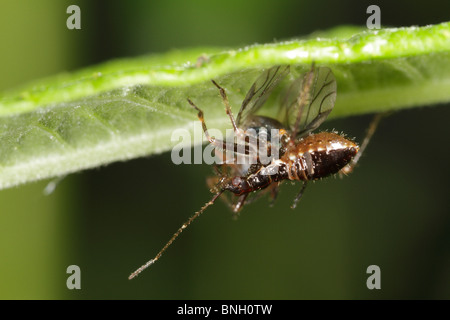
(392, 211)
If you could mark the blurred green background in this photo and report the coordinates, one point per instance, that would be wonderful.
(393, 211)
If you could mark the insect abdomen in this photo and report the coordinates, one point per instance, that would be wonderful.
(318, 156)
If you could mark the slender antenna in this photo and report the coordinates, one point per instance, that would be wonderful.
(176, 234)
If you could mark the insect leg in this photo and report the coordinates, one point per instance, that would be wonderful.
(233, 147)
(227, 105)
(239, 204)
(212, 140)
(370, 131)
(176, 234)
(303, 100)
(273, 189)
(299, 195)
(274, 193)
(226, 198)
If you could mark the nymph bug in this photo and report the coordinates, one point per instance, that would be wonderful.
(300, 155)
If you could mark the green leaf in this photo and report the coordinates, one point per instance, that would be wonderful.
(129, 108)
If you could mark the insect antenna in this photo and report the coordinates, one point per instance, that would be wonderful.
(176, 234)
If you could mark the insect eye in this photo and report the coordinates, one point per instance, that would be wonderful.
(236, 181)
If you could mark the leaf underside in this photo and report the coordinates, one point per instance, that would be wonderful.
(129, 108)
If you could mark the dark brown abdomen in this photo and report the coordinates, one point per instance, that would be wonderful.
(318, 155)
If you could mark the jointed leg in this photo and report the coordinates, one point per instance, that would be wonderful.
(216, 142)
(299, 195)
(237, 206)
(274, 193)
(370, 131)
(302, 101)
(227, 105)
(205, 129)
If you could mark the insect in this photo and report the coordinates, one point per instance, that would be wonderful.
(300, 154)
